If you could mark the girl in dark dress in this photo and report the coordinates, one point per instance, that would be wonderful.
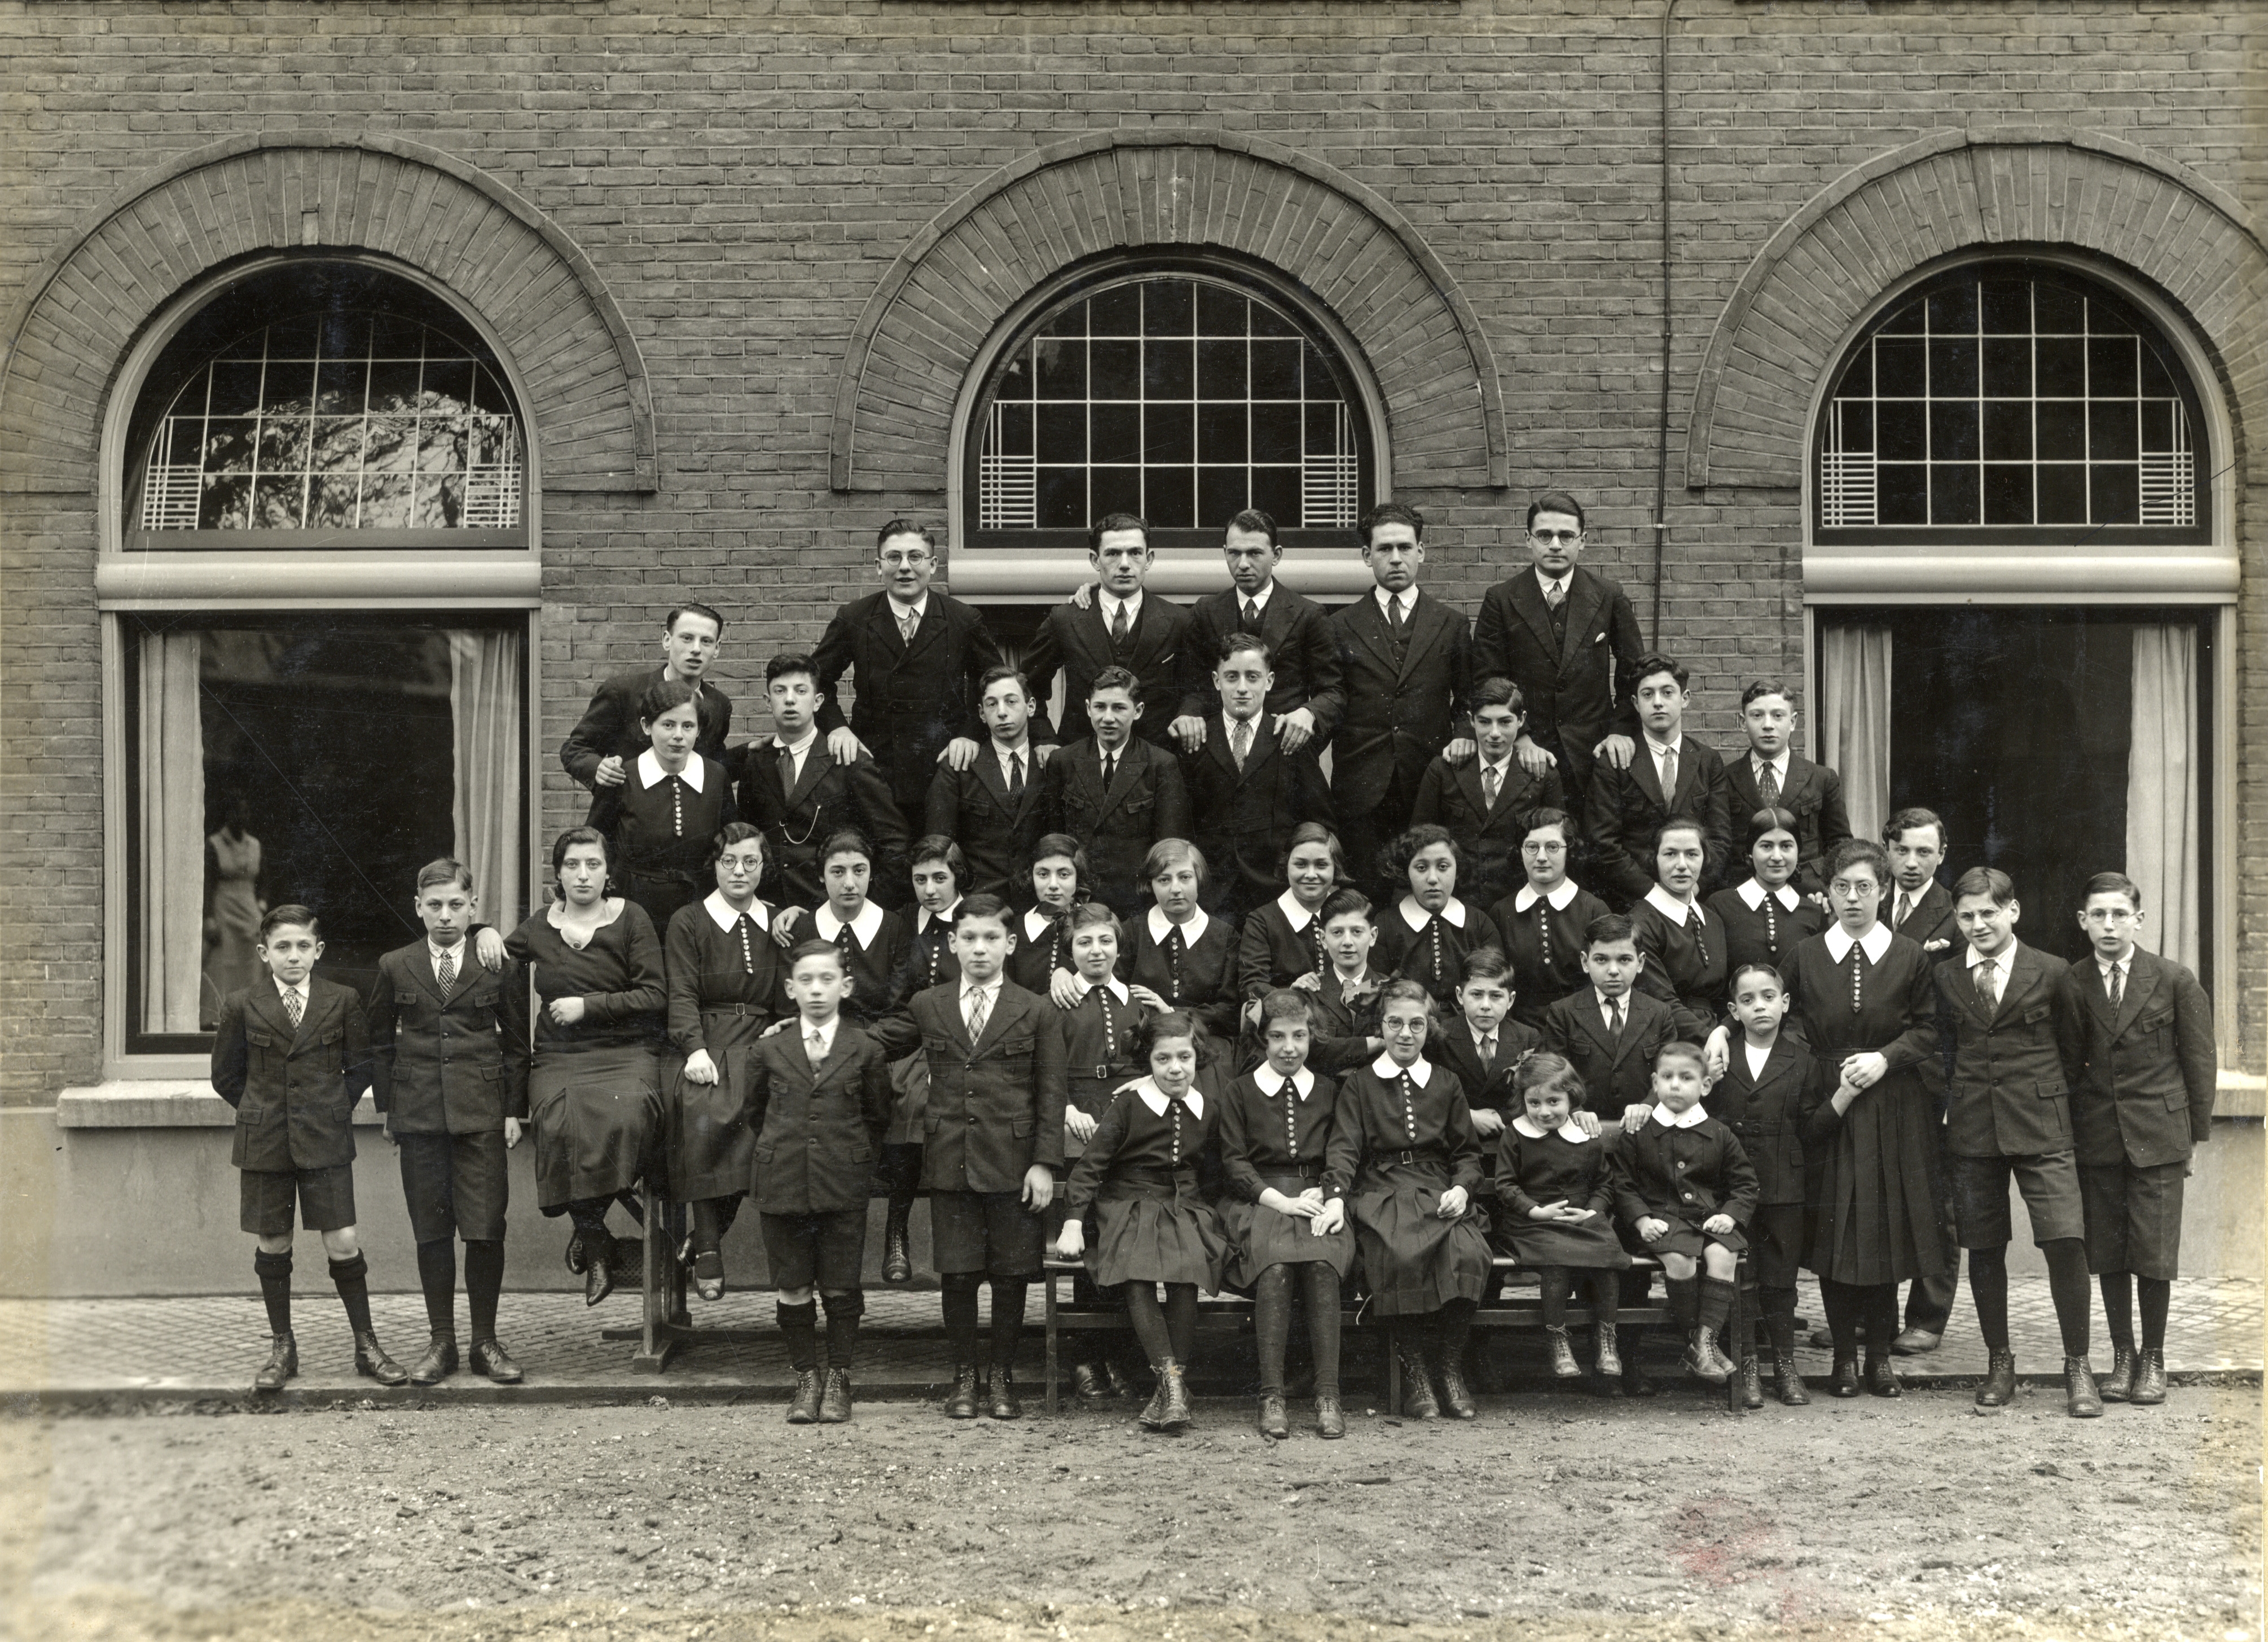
(1041, 960)
(1683, 941)
(877, 947)
(1139, 1172)
(1404, 1157)
(593, 1090)
(1282, 941)
(1174, 956)
(1424, 935)
(661, 821)
(1555, 1188)
(1282, 1231)
(1764, 918)
(727, 982)
(1543, 922)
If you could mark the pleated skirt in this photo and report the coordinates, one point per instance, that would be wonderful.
(1145, 1237)
(1414, 1262)
(707, 1144)
(1590, 1246)
(1875, 1221)
(1259, 1237)
(597, 1116)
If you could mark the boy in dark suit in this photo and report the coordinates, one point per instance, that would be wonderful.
(291, 1055)
(1304, 701)
(1248, 788)
(2005, 1030)
(1919, 908)
(2147, 1072)
(992, 1145)
(1343, 1028)
(1568, 637)
(449, 1060)
(1489, 801)
(818, 1103)
(916, 655)
(1115, 792)
(793, 788)
(1122, 627)
(1609, 1030)
(1483, 1045)
(992, 807)
(1670, 774)
(1772, 776)
(600, 750)
(1406, 663)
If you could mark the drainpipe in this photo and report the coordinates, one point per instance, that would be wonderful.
(1661, 429)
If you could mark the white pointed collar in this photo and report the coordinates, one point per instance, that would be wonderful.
(1295, 915)
(1154, 1098)
(924, 918)
(1692, 1117)
(1567, 890)
(1271, 1082)
(1192, 932)
(1035, 924)
(650, 771)
(1419, 1071)
(1753, 893)
(1670, 907)
(1875, 942)
(1569, 1131)
(1116, 988)
(1416, 917)
(865, 926)
(721, 914)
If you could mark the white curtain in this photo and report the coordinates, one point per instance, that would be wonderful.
(172, 779)
(1855, 727)
(2161, 790)
(484, 699)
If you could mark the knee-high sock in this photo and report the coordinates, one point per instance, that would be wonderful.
(437, 1275)
(1149, 1322)
(1008, 1298)
(800, 1324)
(1845, 1305)
(1606, 1290)
(2066, 1258)
(1778, 1308)
(1684, 1295)
(1988, 1287)
(2157, 1298)
(1555, 1296)
(843, 1314)
(483, 1282)
(351, 1279)
(2119, 1307)
(958, 1294)
(1182, 1321)
(1271, 1326)
(1452, 1326)
(1322, 1298)
(1882, 1319)
(1716, 1304)
(274, 1274)
(900, 1175)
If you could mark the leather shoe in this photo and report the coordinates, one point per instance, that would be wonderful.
(897, 1257)
(1844, 1383)
(1330, 1419)
(1175, 1416)
(283, 1363)
(709, 1274)
(2118, 1385)
(1999, 1385)
(1752, 1381)
(491, 1359)
(1152, 1416)
(1609, 1361)
(803, 1407)
(598, 1282)
(577, 1257)
(372, 1361)
(962, 1404)
(1000, 1395)
(438, 1363)
(1418, 1399)
(1274, 1423)
(834, 1397)
(2149, 1379)
(1787, 1382)
(1454, 1396)
(2081, 1399)
(1704, 1360)
(1882, 1378)
(1122, 1385)
(1914, 1342)
(1087, 1386)
(1563, 1366)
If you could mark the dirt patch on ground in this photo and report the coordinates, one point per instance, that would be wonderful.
(1552, 1516)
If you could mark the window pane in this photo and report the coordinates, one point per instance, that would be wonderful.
(1953, 309)
(2007, 494)
(1170, 497)
(226, 505)
(1953, 495)
(2062, 493)
(1168, 369)
(1276, 369)
(1276, 492)
(1062, 369)
(2062, 367)
(1220, 433)
(1063, 498)
(1275, 433)
(1114, 490)
(2111, 434)
(1953, 369)
(2062, 430)
(2115, 494)
(1859, 380)
(1062, 432)
(2056, 310)
(1858, 426)
(279, 503)
(1115, 313)
(1169, 433)
(1116, 370)
(2007, 306)
(1902, 493)
(1953, 430)
(235, 389)
(2008, 433)
(1222, 494)
(1117, 433)
(1901, 369)
(2110, 367)
(1220, 312)
(2008, 367)
(1901, 430)
(339, 385)
(1168, 308)
(1221, 369)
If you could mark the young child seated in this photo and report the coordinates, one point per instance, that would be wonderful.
(1686, 1190)
(1139, 1172)
(1555, 1185)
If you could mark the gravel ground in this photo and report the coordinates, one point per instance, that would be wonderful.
(1552, 1517)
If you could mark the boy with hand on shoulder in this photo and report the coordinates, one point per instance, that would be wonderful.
(1120, 627)
(1489, 801)
(992, 807)
(1609, 1031)
(1772, 776)
(1248, 789)
(291, 1055)
(1670, 775)
(795, 788)
(1114, 791)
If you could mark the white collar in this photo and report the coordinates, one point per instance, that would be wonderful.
(1479, 1036)
(1567, 890)
(1568, 1130)
(1117, 988)
(1548, 582)
(1670, 907)
(797, 749)
(2108, 964)
(461, 949)
(1407, 599)
(1154, 1098)
(864, 926)
(1022, 750)
(1192, 932)
(650, 770)
(1035, 924)
(918, 609)
(965, 986)
(1607, 1005)
(1260, 598)
(1109, 603)
(1271, 1082)
(1877, 942)
(925, 918)
(1419, 1071)
(283, 990)
(1295, 915)
(721, 914)
(2006, 955)
(1343, 982)
(1452, 911)
(1777, 766)
(1674, 744)
(805, 1031)
(1692, 1117)
(1753, 893)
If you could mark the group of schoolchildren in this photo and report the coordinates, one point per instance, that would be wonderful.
(1159, 997)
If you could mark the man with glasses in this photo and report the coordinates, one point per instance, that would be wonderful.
(1567, 636)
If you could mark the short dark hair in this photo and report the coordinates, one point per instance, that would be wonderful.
(1681, 823)
(846, 841)
(981, 906)
(1087, 915)
(1912, 816)
(1607, 928)
(1484, 963)
(669, 622)
(815, 947)
(1733, 984)
(2112, 884)
(1345, 903)
(1539, 819)
(1678, 1048)
(1543, 1069)
(1403, 988)
(446, 869)
(1763, 688)
(905, 528)
(573, 837)
(1116, 679)
(794, 661)
(660, 696)
(1854, 851)
(290, 912)
(1115, 521)
(733, 833)
(939, 846)
(1425, 836)
(1654, 662)
(993, 675)
(1237, 643)
(1500, 692)
(1986, 880)
(1315, 832)
(1174, 1023)
(1389, 513)
(1772, 818)
(1556, 502)
(1284, 1004)
(1252, 519)
(1051, 846)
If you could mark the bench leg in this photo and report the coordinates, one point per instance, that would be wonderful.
(657, 1342)
(1047, 1311)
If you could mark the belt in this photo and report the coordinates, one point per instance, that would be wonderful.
(740, 1010)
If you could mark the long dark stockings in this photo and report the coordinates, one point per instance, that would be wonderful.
(274, 1274)
(484, 1282)
(2118, 1309)
(712, 1217)
(960, 1303)
(1851, 1307)
(437, 1276)
(1168, 1333)
(1319, 1289)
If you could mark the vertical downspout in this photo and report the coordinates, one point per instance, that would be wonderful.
(1661, 430)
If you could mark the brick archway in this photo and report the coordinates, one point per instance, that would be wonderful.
(1359, 257)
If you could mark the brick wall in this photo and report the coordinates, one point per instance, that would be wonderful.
(738, 180)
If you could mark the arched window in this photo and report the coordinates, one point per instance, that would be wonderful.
(2012, 401)
(1180, 394)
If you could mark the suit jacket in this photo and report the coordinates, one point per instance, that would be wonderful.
(996, 833)
(1451, 1045)
(1765, 1113)
(1615, 1074)
(609, 726)
(817, 1133)
(1298, 634)
(294, 1092)
(1931, 924)
(2147, 1075)
(1684, 1176)
(2006, 1074)
(1450, 795)
(911, 700)
(458, 1068)
(996, 1107)
(1244, 818)
(1077, 644)
(1627, 807)
(1398, 717)
(1813, 794)
(1579, 690)
(1145, 802)
(827, 798)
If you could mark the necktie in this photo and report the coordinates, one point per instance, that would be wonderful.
(976, 1013)
(1240, 741)
(1394, 617)
(2116, 981)
(1554, 593)
(294, 1007)
(1119, 627)
(1491, 779)
(446, 973)
(1614, 1019)
(1668, 773)
(1985, 998)
(1016, 775)
(1251, 624)
(1109, 769)
(1768, 787)
(1488, 1052)
(815, 1049)
(908, 622)
(1904, 905)
(787, 772)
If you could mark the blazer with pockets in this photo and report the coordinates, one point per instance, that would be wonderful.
(1616, 1074)
(2008, 1073)
(1146, 802)
(608, 727)
(2147, 1073)
(1812, 793)
(1764, 1110)
(1298, 634)
(458, 1068)
(1451, 796)
(817, 1133)
(1577, 690)
(996, 1107)
(1077, 644)
(294, 1092)
(996, 832)
(827, 798)
(912, 699)
(1931, 924)
(1627, 808)
(1451, 1044)
(1399, 716)
(1244, 818)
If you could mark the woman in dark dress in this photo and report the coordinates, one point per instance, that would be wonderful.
(593, 1088)
(1041, 961)
(1423, 935)
(1764, 918)
(1543, 922)
(726, 984)
(662, 821)
(1174, 956)
(1282, 941)
(1683, 941)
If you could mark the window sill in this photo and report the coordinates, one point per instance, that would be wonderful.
(160, 1103)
